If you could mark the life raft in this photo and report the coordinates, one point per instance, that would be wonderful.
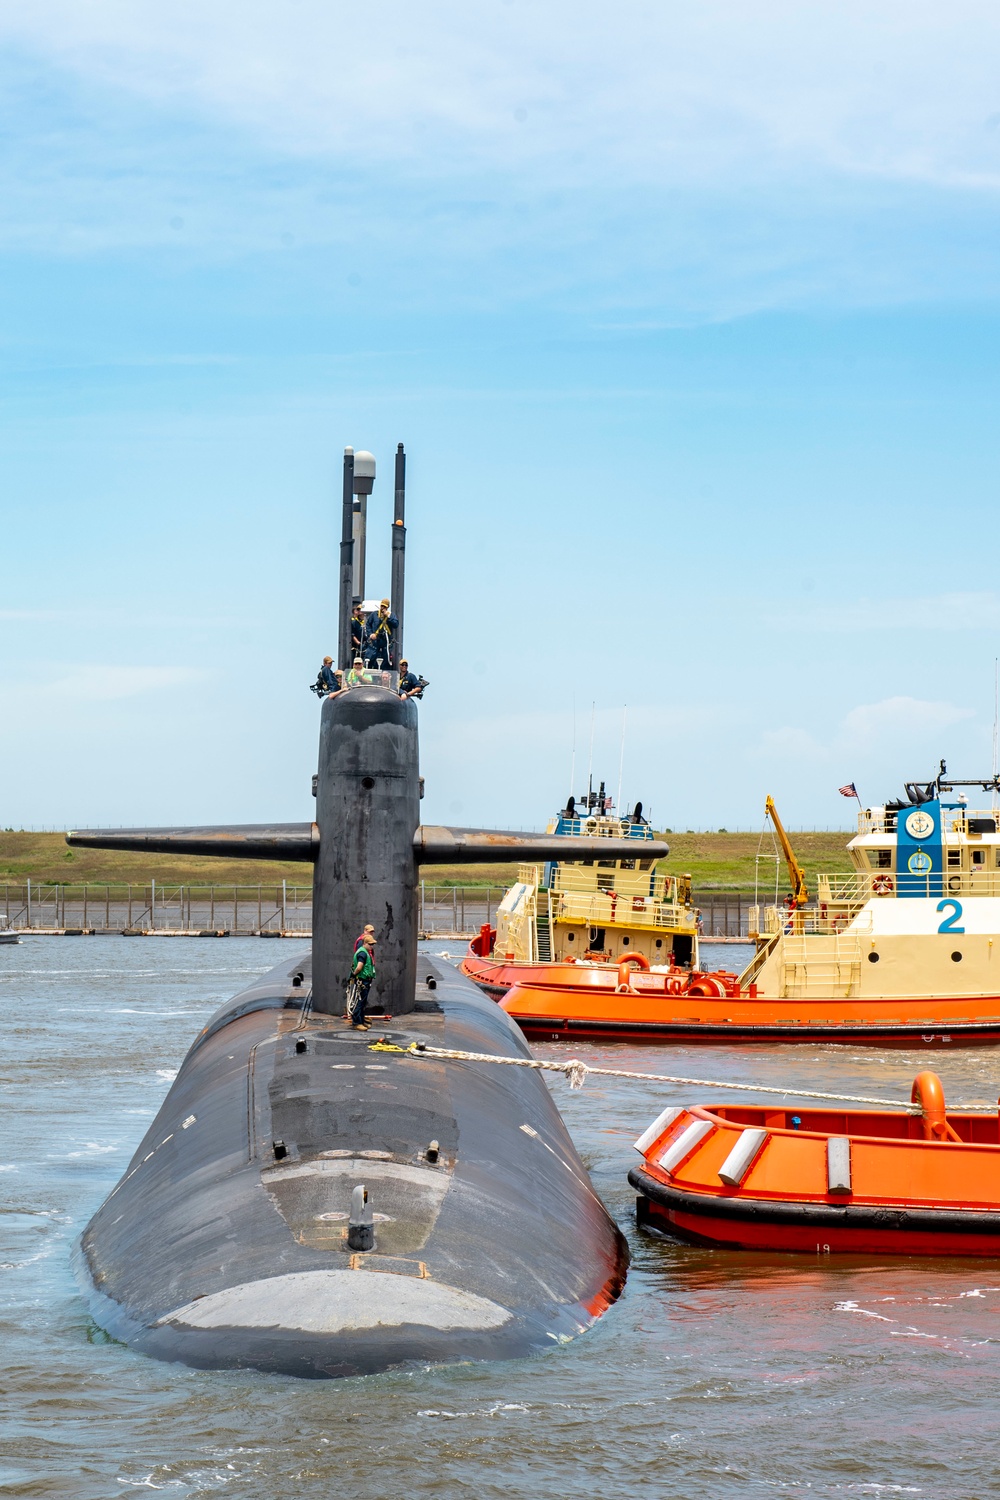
(819, 1181)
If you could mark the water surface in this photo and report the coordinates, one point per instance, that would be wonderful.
(717, 1374)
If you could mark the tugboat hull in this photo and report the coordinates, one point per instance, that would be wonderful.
(590, 1006)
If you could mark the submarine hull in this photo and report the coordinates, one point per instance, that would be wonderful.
(228, 1241)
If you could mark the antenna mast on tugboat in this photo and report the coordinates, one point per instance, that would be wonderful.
(572, 759)
(996, 715)
(621, 762)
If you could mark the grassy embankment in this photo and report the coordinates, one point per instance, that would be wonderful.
(715, 861)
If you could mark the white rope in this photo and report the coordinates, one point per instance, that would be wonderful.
(577, 1073)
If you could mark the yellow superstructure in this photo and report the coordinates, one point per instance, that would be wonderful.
(598, 908)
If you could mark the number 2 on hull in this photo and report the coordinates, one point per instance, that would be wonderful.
(948, 925)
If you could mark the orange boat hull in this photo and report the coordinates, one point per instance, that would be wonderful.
(585, 1004)
(859, 1232)
(759, 1178)
(495, 976)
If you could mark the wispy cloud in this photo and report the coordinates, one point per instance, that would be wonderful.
(891, 728)
(905, 90)
(974, 610)
(92, 683)
(739, 146)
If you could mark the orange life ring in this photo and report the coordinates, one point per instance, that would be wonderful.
(882, 885)
(624, 981)
(929, 1094)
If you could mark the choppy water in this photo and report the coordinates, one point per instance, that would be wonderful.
(716, 1375)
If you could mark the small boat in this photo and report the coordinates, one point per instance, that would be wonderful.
(596, 911)
(903, 951)
(756, 1177)
(8, 936)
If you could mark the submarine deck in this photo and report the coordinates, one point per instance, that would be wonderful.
(225, 1243)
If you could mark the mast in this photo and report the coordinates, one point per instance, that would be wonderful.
(399, 550)
(346, 563)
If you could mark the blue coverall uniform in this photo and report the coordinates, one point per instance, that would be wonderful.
(380, 638)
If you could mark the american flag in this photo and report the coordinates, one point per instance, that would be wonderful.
(850, 790)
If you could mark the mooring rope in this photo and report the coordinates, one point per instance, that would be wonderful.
(577, 1073)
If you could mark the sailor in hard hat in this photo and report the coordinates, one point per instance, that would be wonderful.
(381, 627)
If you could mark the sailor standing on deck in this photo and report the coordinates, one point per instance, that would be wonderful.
(381, 627)
(362, 974)
(357, 631)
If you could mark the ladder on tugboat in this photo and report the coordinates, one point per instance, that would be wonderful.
(543, 934)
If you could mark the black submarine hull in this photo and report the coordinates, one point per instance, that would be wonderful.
(225, 1244)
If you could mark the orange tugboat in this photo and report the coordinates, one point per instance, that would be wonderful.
(900, 952)
(754, 1177)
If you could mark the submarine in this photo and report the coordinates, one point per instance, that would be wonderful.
(318, 1201)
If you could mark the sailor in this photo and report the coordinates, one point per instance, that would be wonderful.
(410, 685)
(368, 932)
(357, 676)
(338, 684)
(326, 680)
(362, 974)
(357, 630)
(380, 627)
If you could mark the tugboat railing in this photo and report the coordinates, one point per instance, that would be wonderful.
(775, 921)
(603, 909)
(883, 819)
(856, 889)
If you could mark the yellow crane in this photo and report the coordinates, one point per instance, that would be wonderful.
(796, 874)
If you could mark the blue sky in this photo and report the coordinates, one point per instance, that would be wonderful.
(688, 318)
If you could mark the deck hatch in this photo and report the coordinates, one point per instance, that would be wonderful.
(742, 1157)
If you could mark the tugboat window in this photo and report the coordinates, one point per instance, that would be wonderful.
(873, 958)
(882, 858)
(954, 858)
(979, 856)
(956, 958)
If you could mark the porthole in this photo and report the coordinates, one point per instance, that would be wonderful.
(624, 942)
(956, 958)
(873, 958)
(570, 937)
(368, 782)
(659, 942)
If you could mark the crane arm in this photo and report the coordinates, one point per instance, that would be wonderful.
(795, 871)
